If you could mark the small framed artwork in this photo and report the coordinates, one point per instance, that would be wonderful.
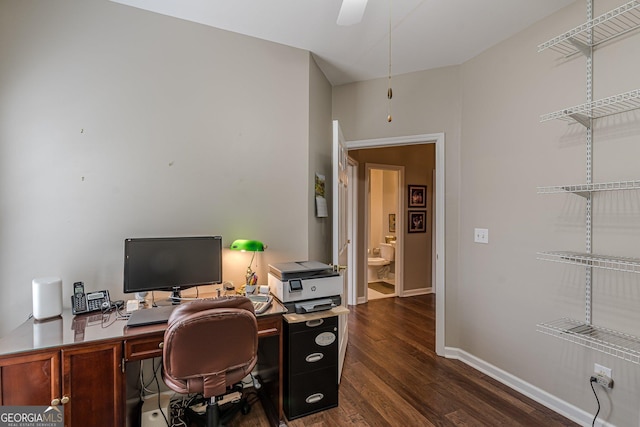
(417, 196)
(392, 223)
(417, 221)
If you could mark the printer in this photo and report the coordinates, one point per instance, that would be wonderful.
(306, 286)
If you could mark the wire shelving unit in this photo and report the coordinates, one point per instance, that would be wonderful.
(583, 39)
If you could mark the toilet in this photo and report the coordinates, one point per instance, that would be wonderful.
(377, 267)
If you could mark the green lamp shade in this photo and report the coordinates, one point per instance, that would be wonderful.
(247, 245)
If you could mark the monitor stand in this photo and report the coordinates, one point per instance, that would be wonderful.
(175, 297)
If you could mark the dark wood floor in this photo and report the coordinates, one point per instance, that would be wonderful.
(392, 377)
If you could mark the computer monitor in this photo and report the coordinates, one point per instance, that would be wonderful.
(171, 263)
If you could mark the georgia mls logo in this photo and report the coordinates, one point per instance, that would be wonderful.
(31, 416)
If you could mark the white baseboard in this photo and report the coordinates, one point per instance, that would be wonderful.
(414, 292)
(554, 403)
(410, 293)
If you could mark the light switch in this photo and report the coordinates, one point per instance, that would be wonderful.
(481, 235)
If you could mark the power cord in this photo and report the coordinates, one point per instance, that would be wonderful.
(179, 407)
(591, 381)
(155, 376)
(115, 307)
(144, 388)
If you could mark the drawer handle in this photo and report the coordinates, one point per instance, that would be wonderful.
(161, 344)
(64, 401)
(314, 357)
(267, 331)
(314, 323)
(314, 398)
(325, 339)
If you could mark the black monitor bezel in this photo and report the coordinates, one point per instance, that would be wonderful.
(175, 288)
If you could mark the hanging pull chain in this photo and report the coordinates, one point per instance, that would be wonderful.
(389, 90)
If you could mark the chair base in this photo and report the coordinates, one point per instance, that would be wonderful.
(218, 415)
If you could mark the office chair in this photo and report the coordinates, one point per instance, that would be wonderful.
(210, 346)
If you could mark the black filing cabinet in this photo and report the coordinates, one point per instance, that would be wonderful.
(310, 366)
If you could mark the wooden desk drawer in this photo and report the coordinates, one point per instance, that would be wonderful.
(143, 348)
(268, 326)
(150, 346)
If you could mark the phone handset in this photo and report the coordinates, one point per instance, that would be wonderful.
(78, 300)
(87, 303)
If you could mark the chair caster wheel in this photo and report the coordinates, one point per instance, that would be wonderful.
(246, 408)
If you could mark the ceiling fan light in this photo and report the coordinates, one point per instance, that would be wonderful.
(351, 12)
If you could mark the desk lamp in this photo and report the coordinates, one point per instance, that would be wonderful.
(251, 279)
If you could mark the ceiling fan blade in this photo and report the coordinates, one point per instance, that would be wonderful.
(351, 12)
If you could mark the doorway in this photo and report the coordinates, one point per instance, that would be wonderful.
(382, 222)
(438, 255)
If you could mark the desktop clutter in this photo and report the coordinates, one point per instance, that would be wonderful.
(177, 263)
(301, 286)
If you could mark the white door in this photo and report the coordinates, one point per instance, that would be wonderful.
(340, 240)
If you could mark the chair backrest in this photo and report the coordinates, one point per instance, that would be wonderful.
(209, 345)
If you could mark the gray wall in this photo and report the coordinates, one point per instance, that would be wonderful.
(320, 145)
(497, 153)
(118, 123)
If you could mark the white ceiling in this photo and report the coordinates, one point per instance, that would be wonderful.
(425, 33)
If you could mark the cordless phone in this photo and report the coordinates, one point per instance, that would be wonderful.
(79, 302)
(87, 303)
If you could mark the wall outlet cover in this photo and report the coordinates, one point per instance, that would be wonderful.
(481, 235)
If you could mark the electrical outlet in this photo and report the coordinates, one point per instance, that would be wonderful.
(481, 235)
(602, 376)
(602, 370)
(605, 382)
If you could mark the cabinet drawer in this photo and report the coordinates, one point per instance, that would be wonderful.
(268, 326)
(143, 348)
(311, 350)
(312, 392)
(324, 323)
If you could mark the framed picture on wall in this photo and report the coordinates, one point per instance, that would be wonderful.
(417, 221)
(392, 223)
(417, 196)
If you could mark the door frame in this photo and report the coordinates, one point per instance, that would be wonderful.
(399, 250)
(352, 229)
(438, 139)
